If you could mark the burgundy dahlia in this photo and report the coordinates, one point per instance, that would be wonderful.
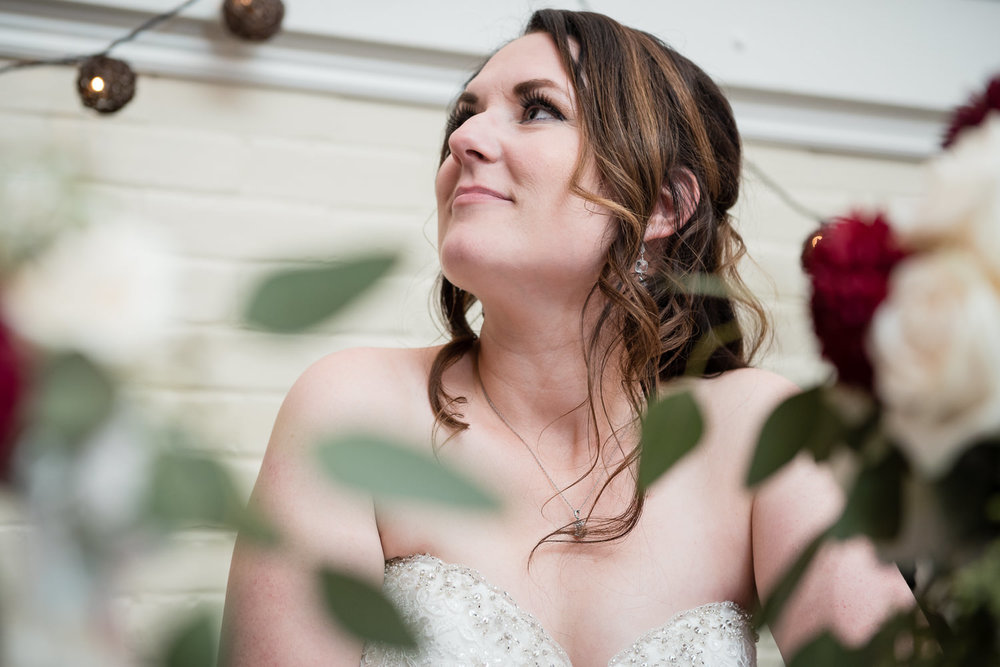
(849, 260)
(974, 113)
(11, 392)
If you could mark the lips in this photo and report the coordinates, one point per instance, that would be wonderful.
(470, 194)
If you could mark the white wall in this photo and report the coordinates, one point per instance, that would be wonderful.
(914, 53)
(852, 75)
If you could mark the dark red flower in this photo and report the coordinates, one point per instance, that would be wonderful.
(849, 260)
(11, 392)
(974, 112)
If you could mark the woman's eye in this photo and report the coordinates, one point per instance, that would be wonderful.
(541, 109)
(538, 113)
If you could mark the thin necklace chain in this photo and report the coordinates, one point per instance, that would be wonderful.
(579, 523)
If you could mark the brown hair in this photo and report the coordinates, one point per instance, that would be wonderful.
(649, 115)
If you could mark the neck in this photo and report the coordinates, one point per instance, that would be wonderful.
(534, 367)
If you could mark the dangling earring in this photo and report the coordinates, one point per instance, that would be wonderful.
(641, 265)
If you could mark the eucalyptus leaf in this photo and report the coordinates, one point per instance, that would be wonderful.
(194, 643)
(671, 428)
(903, 639)
(875, 503)
(717, 337)
(73, 396)
(362, 609)
(390, 470)
(191, 489)
(295, 299)
(823, 651)
(979, 582)
(704, 284)
(804, 421)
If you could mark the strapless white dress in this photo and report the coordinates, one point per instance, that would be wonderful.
(461, 619)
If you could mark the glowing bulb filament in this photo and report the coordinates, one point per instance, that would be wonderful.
(97, 84)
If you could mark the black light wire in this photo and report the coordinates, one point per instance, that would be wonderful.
(785, 197)
(149, 24)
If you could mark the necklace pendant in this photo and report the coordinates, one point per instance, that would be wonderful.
(579, 525)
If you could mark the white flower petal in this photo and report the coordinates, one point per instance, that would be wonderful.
(933, 345)
(105, 290)
(960, 205)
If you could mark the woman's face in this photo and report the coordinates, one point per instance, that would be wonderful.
(506, 215)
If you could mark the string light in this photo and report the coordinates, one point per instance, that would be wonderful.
(105, 84)
(809, 246)
(255, 20)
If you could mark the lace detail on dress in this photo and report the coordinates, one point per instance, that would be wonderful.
(718, 634)
(461, 619)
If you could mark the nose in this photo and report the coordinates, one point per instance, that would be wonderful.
(475, 140)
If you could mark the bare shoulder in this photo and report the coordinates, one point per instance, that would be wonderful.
(739, 401)
(360, 387)
(745, 390)
(271, 603)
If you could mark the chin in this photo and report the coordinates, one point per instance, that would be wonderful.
(461, 262)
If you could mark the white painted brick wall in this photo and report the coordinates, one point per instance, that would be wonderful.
(244, 180)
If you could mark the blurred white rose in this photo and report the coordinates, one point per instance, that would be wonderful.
(105, 290)
(960, 202)
(934, 347)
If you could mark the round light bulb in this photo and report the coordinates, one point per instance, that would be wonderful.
(97, 84)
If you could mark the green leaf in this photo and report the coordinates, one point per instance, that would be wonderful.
(672, 427)
(363, 610)
(875, 504)
(801, 422)
(73, 396)
(390, 470)
(253, 526)
(193, 644)
(191, 489)
(713, 339)
(704, 284)
(978, 583)
(296, 299)
(865, 431)
(823, 651)
(902, 639)
(771, 608)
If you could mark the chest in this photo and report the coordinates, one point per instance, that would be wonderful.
(690, 547)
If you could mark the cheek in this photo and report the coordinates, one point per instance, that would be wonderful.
(444, 182)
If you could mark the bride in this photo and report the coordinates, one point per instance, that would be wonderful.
(587, 169)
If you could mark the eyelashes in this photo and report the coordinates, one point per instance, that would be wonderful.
(537, 101)
(531, 105)
(459, 115)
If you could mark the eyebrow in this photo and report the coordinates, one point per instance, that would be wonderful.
(521, 90)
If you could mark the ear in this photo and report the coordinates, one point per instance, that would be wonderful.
(671, 214)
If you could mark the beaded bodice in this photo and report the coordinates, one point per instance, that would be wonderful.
(461, 619)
